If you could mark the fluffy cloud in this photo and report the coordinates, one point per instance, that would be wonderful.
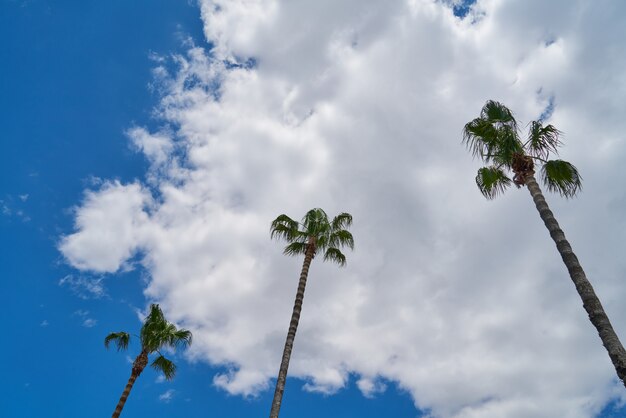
(109, 224)
(358, 106)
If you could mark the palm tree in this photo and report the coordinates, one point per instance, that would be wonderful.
(314, 234)
(155, 334)
(494, 138)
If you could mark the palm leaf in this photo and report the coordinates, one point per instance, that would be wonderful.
(333, 254)
(121, 340)
(562, 177)
(492, 181)
(283, 227)
(295, 248)
(497, 113)
(341, 238)
(342, 221)
(542, 140)
(481, 138)
(164, 365)
(181, 338)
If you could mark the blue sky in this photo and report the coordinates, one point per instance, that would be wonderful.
(77, 76)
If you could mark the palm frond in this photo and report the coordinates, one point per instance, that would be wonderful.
(333, 254)
(181, 338)
(164, 365)
(121, 340)
(481, 138)
(283, 227)
(342, 221)
(295, 248)
(492, 181)
(341, 238)
(562, 177)
(542, 140)
(497, 113)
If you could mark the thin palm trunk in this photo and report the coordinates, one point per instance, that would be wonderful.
(291, 335)
(139, 364)
(591, 303)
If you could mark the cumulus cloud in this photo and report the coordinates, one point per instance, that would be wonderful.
(108, 222)
(358, 106)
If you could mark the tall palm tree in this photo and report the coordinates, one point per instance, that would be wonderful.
(494, 137)
(155, 334)
(316, 233)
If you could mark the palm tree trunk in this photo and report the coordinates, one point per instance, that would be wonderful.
(291, 335)
(591, 303)
(139, 364)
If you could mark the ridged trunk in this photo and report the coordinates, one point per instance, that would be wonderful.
(591, 303)
(291, 335)
(139, 364)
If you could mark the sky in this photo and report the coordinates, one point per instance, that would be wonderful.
(148, 145)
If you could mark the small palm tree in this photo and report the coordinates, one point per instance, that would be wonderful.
(316, 233)
(155, 334)
(494, 138)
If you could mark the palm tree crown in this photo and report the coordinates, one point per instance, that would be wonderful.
(315, 233)
(155, 334)
(494, 137)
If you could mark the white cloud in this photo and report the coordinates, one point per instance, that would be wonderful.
(167, 396)
(156, 147)
(464, 303)
(108, 222)
(44, 323)
(370, 387)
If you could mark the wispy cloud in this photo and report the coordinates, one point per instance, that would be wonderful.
(12, 206)
(167, 396)
(5, 208)
(84, 287)
(44, 323)
(87, 321)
